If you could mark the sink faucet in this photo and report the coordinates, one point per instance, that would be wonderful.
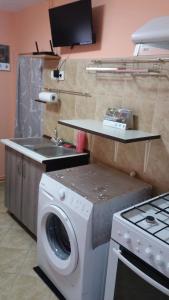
(56, 139)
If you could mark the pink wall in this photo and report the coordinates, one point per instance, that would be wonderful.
(114, 20)
(7, 85)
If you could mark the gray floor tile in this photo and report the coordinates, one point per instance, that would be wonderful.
(17, 238)
(17, 259)
(7, 221)
(11, 259)
(29, 288)
(6, 283)
(29, 263)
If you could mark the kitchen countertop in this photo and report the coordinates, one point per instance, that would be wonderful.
(17, 144)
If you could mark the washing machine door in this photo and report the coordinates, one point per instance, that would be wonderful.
(59, 240)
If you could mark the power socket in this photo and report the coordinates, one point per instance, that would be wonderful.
(57, 75)
(61, 75)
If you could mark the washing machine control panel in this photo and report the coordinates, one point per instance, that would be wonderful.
(61, 194)
(75, 201)
(66, 198)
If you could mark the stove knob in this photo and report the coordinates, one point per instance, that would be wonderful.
(168, 268)
(159, 260)
(127, 238)
(62, 195)
(148, 252)
(119, 233)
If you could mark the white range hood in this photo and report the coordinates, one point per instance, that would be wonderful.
(153, 37)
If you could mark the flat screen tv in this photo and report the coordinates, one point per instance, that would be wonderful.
(71, 24)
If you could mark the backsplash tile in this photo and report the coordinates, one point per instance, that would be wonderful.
(147, 96)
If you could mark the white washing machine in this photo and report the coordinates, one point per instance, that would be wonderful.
(74, 225)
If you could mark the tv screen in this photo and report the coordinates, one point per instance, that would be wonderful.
(71, 24)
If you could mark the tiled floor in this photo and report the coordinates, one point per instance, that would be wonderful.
(17, 258)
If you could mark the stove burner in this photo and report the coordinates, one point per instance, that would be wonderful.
(150, 219)
(152, 216)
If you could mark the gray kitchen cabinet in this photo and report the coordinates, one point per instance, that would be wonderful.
(31, 175)
(21, 189)
(23, 176)
(13, 185)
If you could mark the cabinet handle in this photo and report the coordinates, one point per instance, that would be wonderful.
(24, 171)
(19, 168)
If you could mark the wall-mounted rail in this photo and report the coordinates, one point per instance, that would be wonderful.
(123, 70)
(130, 60)
(154, 66)
(70, 92)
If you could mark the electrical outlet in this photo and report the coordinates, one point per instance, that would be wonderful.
(61, 75)
(57, 75)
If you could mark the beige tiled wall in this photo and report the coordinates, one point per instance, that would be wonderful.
(147, 96)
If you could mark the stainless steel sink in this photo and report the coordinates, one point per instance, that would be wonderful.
(44, 147)
(49, 150)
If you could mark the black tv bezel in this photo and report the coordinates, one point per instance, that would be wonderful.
(93, 35)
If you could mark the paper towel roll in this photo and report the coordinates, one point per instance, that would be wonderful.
(48, 97)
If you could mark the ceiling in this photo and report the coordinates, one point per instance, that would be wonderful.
(16, 5)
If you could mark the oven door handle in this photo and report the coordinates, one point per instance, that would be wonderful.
(141, 274)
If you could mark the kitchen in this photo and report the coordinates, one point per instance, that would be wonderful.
(146, 96)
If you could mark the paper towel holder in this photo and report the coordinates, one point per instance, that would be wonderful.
(46, 102)
(44, 98)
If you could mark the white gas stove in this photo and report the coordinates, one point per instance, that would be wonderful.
(139, 248)
(144, 230)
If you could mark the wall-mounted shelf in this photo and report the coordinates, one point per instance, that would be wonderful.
(118, 135)
(45, 57)
(97, 128)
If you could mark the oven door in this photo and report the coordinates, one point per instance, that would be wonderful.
(133, 279)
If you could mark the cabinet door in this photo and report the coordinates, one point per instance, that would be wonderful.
(13, 183)
(32, 172)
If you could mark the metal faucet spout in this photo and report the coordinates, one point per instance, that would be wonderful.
(57, 141)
